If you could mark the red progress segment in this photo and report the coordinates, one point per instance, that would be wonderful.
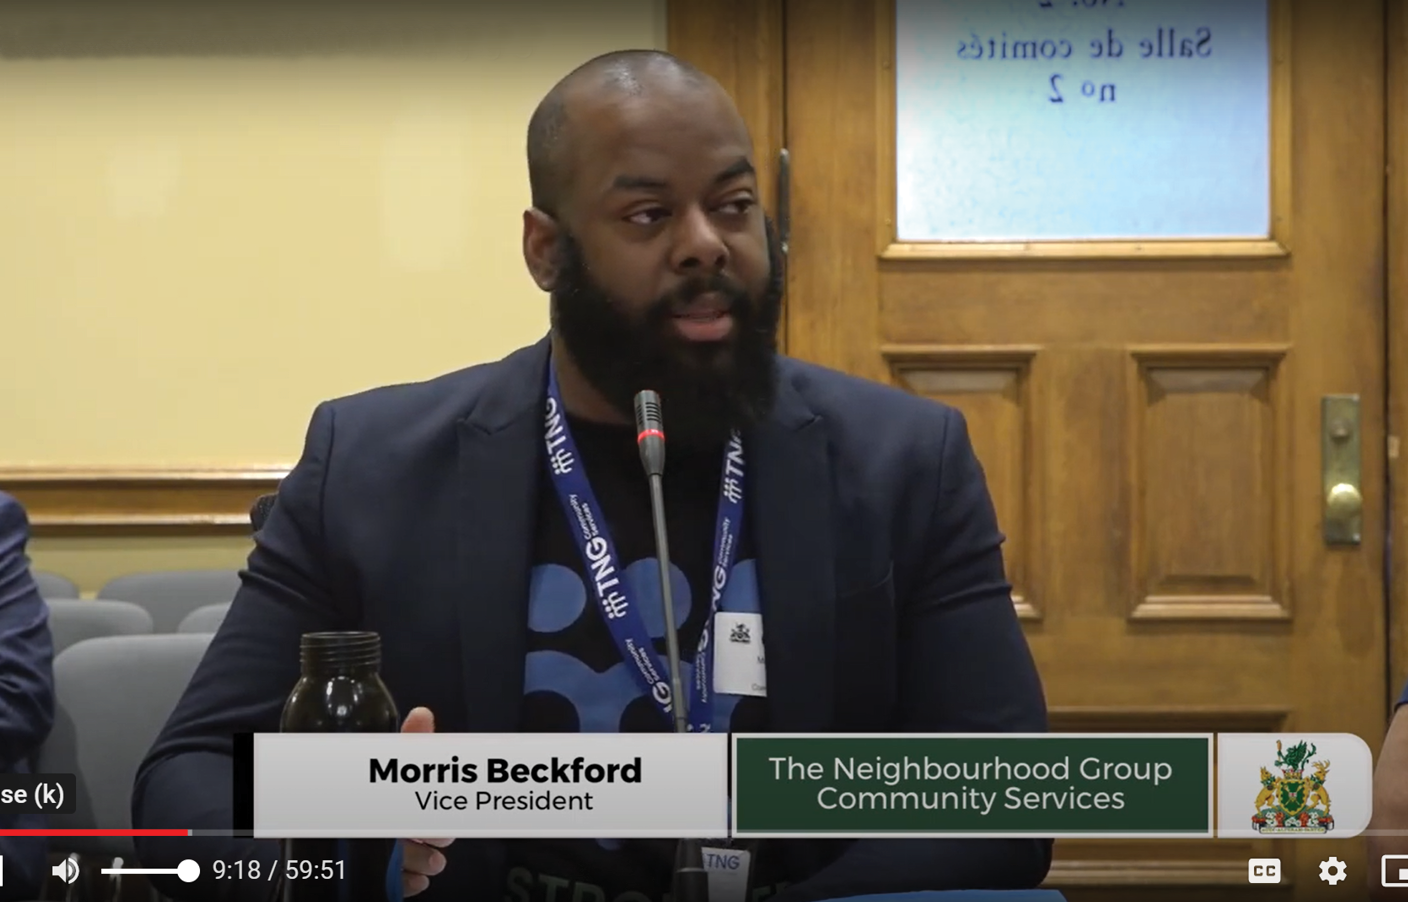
(95, 833)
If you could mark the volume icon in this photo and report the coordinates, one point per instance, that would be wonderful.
(66, 870)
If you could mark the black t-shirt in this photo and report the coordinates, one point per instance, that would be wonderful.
(576, 680)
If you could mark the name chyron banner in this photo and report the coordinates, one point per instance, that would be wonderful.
(663, 785)
(521, 785)
(1152, 785)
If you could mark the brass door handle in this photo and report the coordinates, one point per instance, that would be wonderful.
(1344, 501)
(1343, 496)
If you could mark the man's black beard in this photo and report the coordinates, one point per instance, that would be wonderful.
(707, 389)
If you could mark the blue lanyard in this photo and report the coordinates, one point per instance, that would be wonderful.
(605, 573)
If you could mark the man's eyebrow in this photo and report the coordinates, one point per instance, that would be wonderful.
(637, 183)
(649, 183)
(742, 167)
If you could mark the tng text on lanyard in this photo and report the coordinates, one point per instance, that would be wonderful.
(606, 574)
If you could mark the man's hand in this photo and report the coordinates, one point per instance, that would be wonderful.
(420, 859)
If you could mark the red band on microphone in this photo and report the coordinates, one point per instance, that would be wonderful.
(649, 432)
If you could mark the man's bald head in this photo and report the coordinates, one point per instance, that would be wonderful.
(649, 234)
(620, 73)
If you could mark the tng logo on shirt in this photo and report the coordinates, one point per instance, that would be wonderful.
(525, 886)
(558, 598)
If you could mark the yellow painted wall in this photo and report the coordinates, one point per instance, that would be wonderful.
(212, 219)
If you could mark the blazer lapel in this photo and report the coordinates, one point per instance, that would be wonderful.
(791, 503)
(499, 471)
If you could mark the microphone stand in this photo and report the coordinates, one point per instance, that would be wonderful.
(672, 642)
(691, 881)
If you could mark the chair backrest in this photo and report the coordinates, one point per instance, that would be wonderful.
(71, 621)
(204, 620)
(52, 585)
(172, 594)
(113, 696)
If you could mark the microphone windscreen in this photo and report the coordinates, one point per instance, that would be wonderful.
(259, 512)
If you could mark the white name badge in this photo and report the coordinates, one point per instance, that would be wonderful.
(728, 873)
(739, 666)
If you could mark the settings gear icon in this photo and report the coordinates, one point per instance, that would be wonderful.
(1332, 870)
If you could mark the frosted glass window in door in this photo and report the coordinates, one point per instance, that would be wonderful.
(1050, 120)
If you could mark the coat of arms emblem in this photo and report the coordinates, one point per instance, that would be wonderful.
(1294, 802)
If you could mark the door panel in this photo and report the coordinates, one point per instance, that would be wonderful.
(1397, 241)
(1148, 413)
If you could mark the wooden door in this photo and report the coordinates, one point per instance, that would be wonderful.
(1148, 414)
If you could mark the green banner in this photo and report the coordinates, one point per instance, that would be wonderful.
(1036, 785)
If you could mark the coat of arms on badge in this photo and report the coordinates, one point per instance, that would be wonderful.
(1294, 802)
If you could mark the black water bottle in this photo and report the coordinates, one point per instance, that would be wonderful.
(340, 691)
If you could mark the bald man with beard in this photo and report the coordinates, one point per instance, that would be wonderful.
(867, 558)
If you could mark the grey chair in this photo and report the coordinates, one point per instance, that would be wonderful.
(204, 620)
(172, 594)
(113, 695)
(52, 585)
(72, 621)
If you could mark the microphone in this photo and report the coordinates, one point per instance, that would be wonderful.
(650, 429)
(691, 881)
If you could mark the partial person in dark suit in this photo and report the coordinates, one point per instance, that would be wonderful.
(1388, 830)
(26, 696)
(867, 553)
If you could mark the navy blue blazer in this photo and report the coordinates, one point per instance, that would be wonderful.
(411, 513)
(26, 696)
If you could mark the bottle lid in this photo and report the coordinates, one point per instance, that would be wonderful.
(340, 650)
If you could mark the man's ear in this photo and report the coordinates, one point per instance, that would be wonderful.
(540, 234)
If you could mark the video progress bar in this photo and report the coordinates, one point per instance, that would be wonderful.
(95, 832)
